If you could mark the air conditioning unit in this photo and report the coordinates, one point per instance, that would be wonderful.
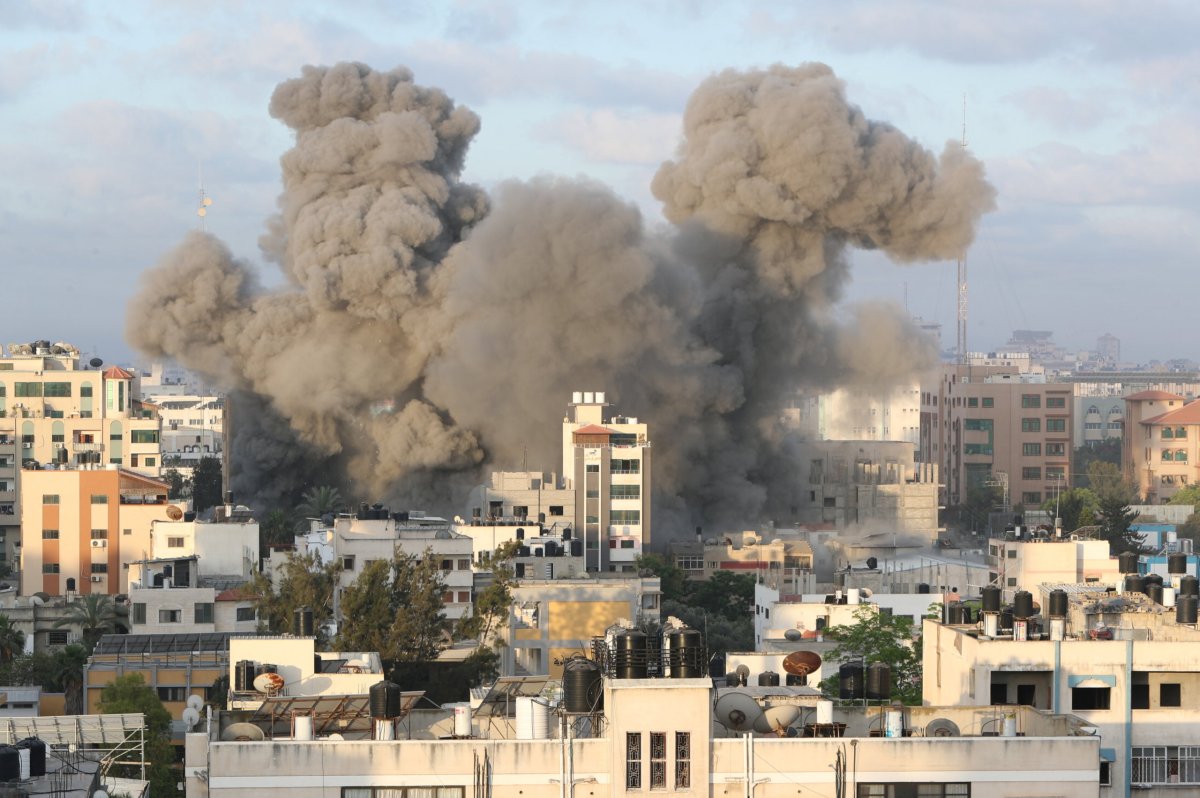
(60, 446)
(27, 445)
(99, 544)
(97, 578)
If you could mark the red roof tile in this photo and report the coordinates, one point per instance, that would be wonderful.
(118, 373)
(1144, 396)
(235, 594)
(593, 429)
(1188, 414)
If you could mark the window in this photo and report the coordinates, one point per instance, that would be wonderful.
(1105, 773)
(172, 693)
(683, 760)
(143, 436)
(49, 567)
(348, 562)
(57, 389)
(85, 390)
(169, 616)
(556, 509)
(1056, 473)
(447, 565)
(1012, 554)
(1031, 400)
(625, 466)
(593, 468)
(1181, 432)
(464, 597)
(1012, 581)
(245, 614)
(593, 493)
(148, 462)
(1169, 695)
(27, 389)
(627, 544)
(1031, 425)
(139, 612)
(99, 498)
(625, 492)
(658, 760)
(403, 792)
(49, 498)
(1031, 449)
(1056, 450)
(115, 435)
(1090, 697)
(464, 565)
(49, 534)
(973, 401)
(1031, 497)
(633, 760)
(203, 612)
(1056, 402)
(1031, 472)
(977, 424)
(626, 516)
(57, 638)
(1056, 425)
(174, 543)
(989, 401)
(99, 534)
(99, 567)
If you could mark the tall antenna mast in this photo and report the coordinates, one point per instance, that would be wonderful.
(204, 200)
(962, 271)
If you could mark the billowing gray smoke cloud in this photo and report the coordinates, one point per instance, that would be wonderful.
(425, 334)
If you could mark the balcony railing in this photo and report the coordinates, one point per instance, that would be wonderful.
(79, 446)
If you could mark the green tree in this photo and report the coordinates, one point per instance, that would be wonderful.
(874, 637)
(94, 614)
(491, 606)
(1113, 499)
(12, 640)
(1106, 451)
(395, 608)
(304, 581)
(1190, 529)
(276, 529)
(974, 513)
(129, 694)
(1076, 507)
(178, 485)
(319, 501)
(1189, 495)
(674, 582)
(724, 594)
(206, 484)
(367, 610)
(69, 663)
(721, 634)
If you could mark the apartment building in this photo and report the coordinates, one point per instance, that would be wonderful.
(82, 528)
(783, 560)
(846, 415)
(1021, 559)
(603, 495)
(193, 427)
(1162, 434)
(1000, 429)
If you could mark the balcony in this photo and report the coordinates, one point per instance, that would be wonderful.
(78, 447)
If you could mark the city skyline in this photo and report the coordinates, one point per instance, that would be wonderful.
(1079, 114)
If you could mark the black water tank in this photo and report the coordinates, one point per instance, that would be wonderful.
(1185, 609)
(1177, 563)
(1023, 604)
(1058, 603)
(686, 656)
(37, 755)
(1006, 618)
(872, 563)
(768, 679)
(1189, 586)
(879, 681)
(385, 700)
(583, 686)
(551, 548)
(10, 763)
(952, 613)
(566, 533)
(923, 588)
(576, 548)
(364, 511)
(267, 667)
(991, 599)
(70, 583)
(733, 679)
(520, 534)
(796, 679)
(1153, 579)
(1127, 561)
(850, 681)
(1134, 584)
(302, 622)
(1154, 592)
(716, 666)
(630, 655)
(243, 676)
(522, 551)
(520, 570)
(540, 551)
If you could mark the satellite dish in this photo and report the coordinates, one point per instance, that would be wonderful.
(268, 683)
(866, 592)
(174, 513)
(191, 716)
(95, 362)
(737, 711)
(195, 702)
(100, 794)
(243, 732)
(777, 719)
(942, 727)
(801, 663)
(793, 635)
(36, 601)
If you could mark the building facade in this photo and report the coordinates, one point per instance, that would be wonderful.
(1162, 444)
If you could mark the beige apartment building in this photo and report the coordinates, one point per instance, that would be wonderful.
(1000, 429)
(1160, 452)
(81, 528)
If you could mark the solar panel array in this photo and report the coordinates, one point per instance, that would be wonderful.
(166, 644)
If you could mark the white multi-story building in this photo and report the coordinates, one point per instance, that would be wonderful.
(193, 427)
(847, 415)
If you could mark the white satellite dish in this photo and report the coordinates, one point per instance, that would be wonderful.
(243, 732)
(777, 719)
(191, 717)
(269, 683)
(195, 702)
(737, 711)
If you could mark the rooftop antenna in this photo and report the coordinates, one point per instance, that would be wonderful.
(962, 270)
(204, 201)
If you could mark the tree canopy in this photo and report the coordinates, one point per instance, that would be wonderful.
(206, 484)
(722, 606)
(304, 581)
(395, 607)
(1076, 507)
(128, 694)
(874, 637)
(95, 614)
(1114, 495)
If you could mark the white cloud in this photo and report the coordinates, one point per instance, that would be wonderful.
(609, 135)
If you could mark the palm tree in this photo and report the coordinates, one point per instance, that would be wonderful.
(94, 614)
(12, 640)
(320, 501)
(68, 672)
(276, 529)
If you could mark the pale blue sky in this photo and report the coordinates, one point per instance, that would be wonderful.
(1084, 111)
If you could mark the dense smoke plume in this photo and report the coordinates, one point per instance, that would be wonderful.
(428, 332)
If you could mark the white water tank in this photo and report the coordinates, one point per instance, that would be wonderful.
(824, 711)
(1010, 726)
(25, 763)
(852, 596)
(462, 719)
(302, 727)
(1168, 597)
(893, 723)
(533, 718)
